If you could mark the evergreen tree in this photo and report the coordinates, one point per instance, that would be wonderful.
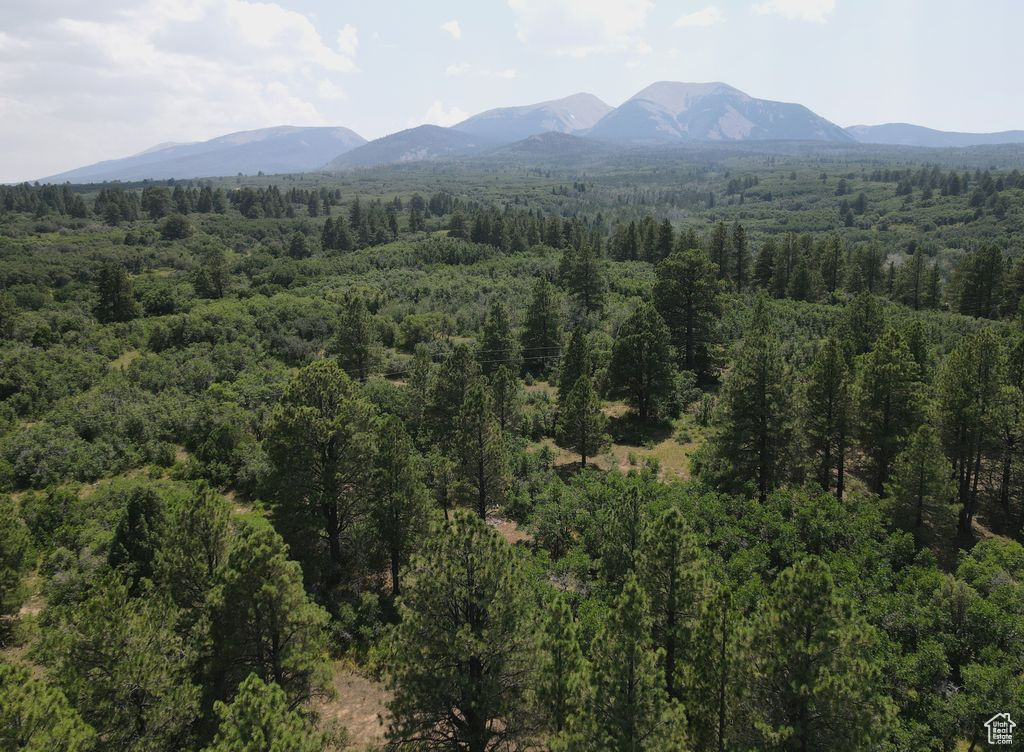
(121, 664)
(764, 266)
(458, 658)
(576, 363)
(498, 346)
(263, 621)
(137, 536)
(979, 283)
(35, 717)
(355, 341)
(15, 548)
(920, 485)
(540, 342)
(741, 258)
(626, 707)
(817, 677)
(968, 389)
(754, 444)
(508, 399)
(671, 572)
(826, 416)
(448, 392)
(480, 449)
(641, 368)
(399, 504)
(581, 424)
(833, 263)
(560, 667)
(720, 250)
(862, 323)
(584, 276)
(320, 441)
(116, 302)
(887, 402)
(686, 294)
(259, 719)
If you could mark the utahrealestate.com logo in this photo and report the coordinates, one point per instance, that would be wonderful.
(1000, 729)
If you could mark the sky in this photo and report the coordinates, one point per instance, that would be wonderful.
(87, 80)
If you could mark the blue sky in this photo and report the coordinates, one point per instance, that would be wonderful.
(82, 81)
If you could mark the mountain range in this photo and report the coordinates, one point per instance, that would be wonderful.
(663, 114)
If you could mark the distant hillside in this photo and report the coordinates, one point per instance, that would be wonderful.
(270, 150)
(572, 114)
(668, 112)
(418, 144)
(905, 134)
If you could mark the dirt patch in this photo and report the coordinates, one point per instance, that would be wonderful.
(359, 705)
(509, 530)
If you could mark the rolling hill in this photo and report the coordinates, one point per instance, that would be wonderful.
(572, 114)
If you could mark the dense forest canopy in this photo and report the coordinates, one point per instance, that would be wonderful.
(687, 453)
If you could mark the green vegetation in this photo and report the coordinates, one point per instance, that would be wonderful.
(721, 451)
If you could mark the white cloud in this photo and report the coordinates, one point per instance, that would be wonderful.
(436, 114)
(465, 69)
(453, 28)
(106, 79)
(331, 91)
(800, 10)
(709, 16)
(348, 40)
(578, 28)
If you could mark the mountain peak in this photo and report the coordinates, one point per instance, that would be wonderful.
(571, 114)
(673, 111)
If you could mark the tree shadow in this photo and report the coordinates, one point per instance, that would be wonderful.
(629, 430)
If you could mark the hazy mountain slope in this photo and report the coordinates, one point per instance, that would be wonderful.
(905, 134)
(669, 111)
(271, 150)
(571, 114)
(424, 142)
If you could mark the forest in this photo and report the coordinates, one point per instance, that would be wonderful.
(707, 453)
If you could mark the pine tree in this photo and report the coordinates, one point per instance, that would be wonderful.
(116, 302)
(576, 363)
(581, 424)
(560, 666)
(459, 656)
(720, 251)
(448, 392)
(754, 444)
(826, 414)
(399, 500)
(626, 707)
(979, 283)
(507, 392)
(686, 294)
(35, 717)
(356, 341)
(584, 276)
(15, 549)
(817, 680)
(641, 368)
(672, 577)
(498, 345)
(320, 441)
(263, 621)
(480, 449)
(887, 402)
(259, 719)
(764, 266)
(741, 258)
(137, 536)
(833, 263)
(540, 341)
(920, 485)
(120, 662)
(968, 388)
(862, 324)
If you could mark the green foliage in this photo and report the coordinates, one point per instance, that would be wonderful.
(36, 717)
(581, 424)
(260, 719)
(686, 295)
(458, 658)
(15, 546)
(123, 667)
(263, 621)
(641, 368)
